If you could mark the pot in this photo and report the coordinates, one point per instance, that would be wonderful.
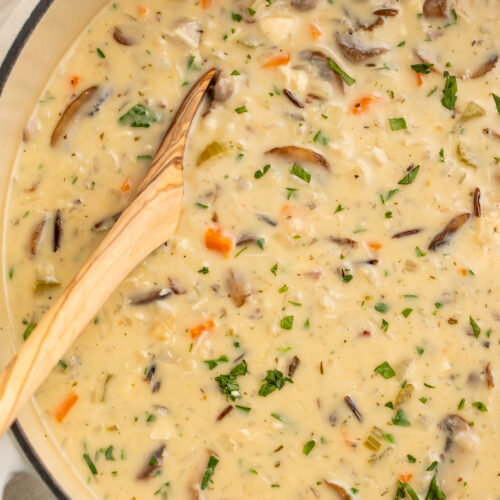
(33, 39)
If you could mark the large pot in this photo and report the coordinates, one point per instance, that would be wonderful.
(34, 37)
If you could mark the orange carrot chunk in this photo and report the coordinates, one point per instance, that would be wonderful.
(405, 477)
(142, 10)
(280, 59)
(126, 185)
(374, 245)
(314, 31)
(420, 79)
(363, 104)
(66, 406)
(202, 328)
(206, 3)
(75, 80)
(462, 271)
(217, 239)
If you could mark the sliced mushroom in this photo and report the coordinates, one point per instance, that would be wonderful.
(223, 87)
(476, 202)
(292, 98)
(346, 242)
(154, 463)
(435, 8)
(379, 21)
(489, 376)
(487, 66)
(150, 296)
(320, 61)
(353, 407)
(339, 490)
(36, 235)
(58, 229)
(125, 35)
(404, 234)
(444, 236)
(303, 5)
(293, 366)
(300, 154)
(70, 113)
(460, 452)
(353, 51)
(238, 288)
(176, 287)
(386, 12)
(107, 223)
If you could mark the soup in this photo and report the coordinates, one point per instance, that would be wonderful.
(324, 324)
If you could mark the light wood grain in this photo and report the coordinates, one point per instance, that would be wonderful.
(150, 220)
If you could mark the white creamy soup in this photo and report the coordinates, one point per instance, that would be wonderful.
(325, 322)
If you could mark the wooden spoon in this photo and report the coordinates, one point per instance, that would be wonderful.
(150, 220)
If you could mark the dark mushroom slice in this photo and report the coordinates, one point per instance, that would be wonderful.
(176, 287)
(100, 100)
(36, 235)
(444, 236)
(303, 5)
(225, 412)
(435, 8)
(354, 51)
(293, 366)
(452, 424)
(154, 463)
(345, 242)
(150, 296)
(106, 223)
(292, 98)
(220, 89)
(489, 376)
(408, 232)
(150, 373)
(245, 239)
(69, 114)
(340, 490)
(354, 409)
(58, 230)
(238, 288)
(121, 36)
(321, 62)
(300, 154)
(487, 66)
(386, 12)
(267, 220)
(476, 202)
(370, 27)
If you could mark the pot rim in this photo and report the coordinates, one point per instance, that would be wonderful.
(5, 70)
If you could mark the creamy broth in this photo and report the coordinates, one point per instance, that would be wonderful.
(325, 323)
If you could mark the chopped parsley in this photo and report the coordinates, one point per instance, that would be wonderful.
(410, 176)
(461, 404)
(480, 406)
(299, 172)
(385, 369)
(400, 491)
(424, 68)
(497, 101)
(90, 464)
(207, 477)
(349, 80)
(384, 325)
(389, 195)
(100, 53)
(212, 363)
(400, 419)
(228, 384)
(381, 307)
(450, 92)
(287, 322)
(338, 209)
(29, 330)
(475, 327)
(397, 123)
(308, 447)
(204, 270)
(241, 109)
(260, 173)
(274, 269)
(419, 252)
(139, 116)
(274, 380)
(236, 17)
(406, 312)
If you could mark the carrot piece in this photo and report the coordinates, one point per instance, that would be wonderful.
(280, 59)
(204, 327)
(462, 271)
(363, 104)
(217, 239)
(142, 10)
(66, 406)
(206, 3)
(315, 31)
(405, 477)
(126, 185)
(75, 80)
(374, 245)
(420, 79)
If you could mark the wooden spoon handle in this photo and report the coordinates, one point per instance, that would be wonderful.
(147, 223)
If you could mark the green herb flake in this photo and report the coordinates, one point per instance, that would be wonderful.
(389, 195)
(338, 209)
(245, 409)
(308, 447)
(385, 370)
(287, 322)
(299, 172)
(420, 350)
(108, 454)
(410, 176)
(207, 477)
(424, 68)
(400, 491)
(29, 330)
(349, 80)
(236, 17)
(401, 44)
(388, 215)
(321, 138)
(204, 270)
(400, 419)
(397, 123)
(235, 72)
(475, 327)
(241, 109)
(411, 459)
(480, 406)
(283, 289)
(90, 464)
(419, 252)
(212, 363)
(384, 325)
(100, 53)
(139, 116)
(434, 492)
(260, 173)
(381, 307)
(497, 101)
(274, 380)
(201, 205)
(461, 404)
(406, 312)
(274, 269)
(11, 272)
(450, 92)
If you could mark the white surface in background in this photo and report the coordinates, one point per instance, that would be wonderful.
(13, 14)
